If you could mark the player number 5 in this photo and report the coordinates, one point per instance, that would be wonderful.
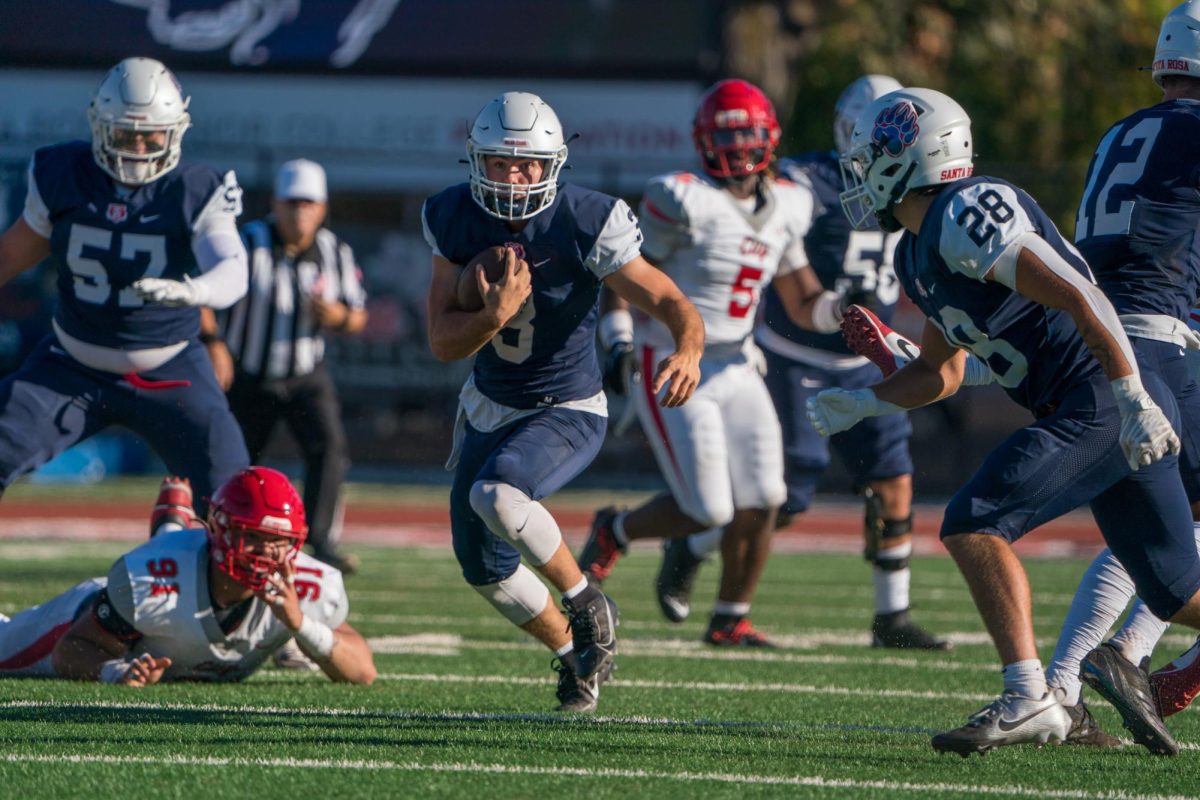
(745, 288)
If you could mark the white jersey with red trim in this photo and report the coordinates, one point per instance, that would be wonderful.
(161, 589)
(721, 251)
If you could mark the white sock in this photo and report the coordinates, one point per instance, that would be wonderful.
(728, 609)
(891, 586)
(167, 527)
(618, 528)
(577, 589)
(1103, 593)
(1139, 634)
(705, 543)
(566, 648)
(1026, 678)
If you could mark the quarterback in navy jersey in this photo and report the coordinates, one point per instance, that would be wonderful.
(532, 415)
(857, 266)
(139, 240)
(994, 278)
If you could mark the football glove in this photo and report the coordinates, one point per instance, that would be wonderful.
(171, 293)
(1146, 433)
(619, 364)
(836, 410)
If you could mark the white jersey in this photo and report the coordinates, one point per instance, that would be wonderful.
(161, 590)
(720, 253)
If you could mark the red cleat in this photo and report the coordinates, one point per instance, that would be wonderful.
(737, 633)
(867, 335)
(174, 505)
(601, 552)
(1176, 685)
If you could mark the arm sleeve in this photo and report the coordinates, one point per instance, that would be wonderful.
(113, 607)
(36, 214)
(665, 223)
(981, 226)
(619, 242)
(221, 256)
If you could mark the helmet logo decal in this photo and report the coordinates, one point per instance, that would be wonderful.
(732, 118)
(896, 128)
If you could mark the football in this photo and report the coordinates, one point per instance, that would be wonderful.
(467, 291)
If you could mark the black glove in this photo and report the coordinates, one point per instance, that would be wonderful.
(619, 364)
(855, 294)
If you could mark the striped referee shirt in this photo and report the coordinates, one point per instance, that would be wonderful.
(271, 332)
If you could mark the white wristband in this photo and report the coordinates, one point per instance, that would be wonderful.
(616, 327)
(315, 639)
(1131, 395)
(827, 312)
(114, 671)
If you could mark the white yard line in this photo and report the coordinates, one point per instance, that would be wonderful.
(475, 768)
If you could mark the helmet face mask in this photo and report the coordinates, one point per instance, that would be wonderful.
(138, 116)
(735, 130)
(1178, 49)
(905, 140)
(516, 125)
(255, 525)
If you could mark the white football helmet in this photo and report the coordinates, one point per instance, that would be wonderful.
(905, 140)
(516, 125)
(138, 96)
(1178, 48)
(853, 100)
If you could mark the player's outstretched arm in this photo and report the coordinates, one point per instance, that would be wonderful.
(807, 303)
(342, 652)
(87, 652)
(21, 247)
(1040, 274)
(650, 290)
(455, 334)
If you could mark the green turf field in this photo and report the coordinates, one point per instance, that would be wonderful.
(462, 704)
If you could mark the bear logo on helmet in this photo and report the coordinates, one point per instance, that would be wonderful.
(896, 128)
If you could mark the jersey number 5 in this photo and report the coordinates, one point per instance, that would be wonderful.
(745, 292)
(91, 276)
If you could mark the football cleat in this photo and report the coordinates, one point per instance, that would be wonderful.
(594, 619)
(868, 336)
(1085, 730)
(676, 574)
(174, 505)
(1176, 685)
(898, 631)
(1009, 719)
(601, 552)
(575, 694)
(1127, 688)
(726, 631)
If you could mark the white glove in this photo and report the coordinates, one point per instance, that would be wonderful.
(1146, 433)
(836, 410)
(171, 293)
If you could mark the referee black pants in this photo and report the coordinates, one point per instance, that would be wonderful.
(309, 405)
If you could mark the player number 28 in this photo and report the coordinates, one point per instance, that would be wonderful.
(972, 217)
(91, 276)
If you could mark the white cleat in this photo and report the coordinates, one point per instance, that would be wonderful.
(1009, 719)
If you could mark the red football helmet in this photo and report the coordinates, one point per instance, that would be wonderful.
(257, 501)
(735, 129)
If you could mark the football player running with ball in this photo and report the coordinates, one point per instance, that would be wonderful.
(139, 240)
(995, 278)
(722, 235)
(532, 415)
(197, 604)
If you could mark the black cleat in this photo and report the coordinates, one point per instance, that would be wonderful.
(898, 631)
(574, 694)
(1085, 730)
(673, 587)
(594, 619)
(1127, 688)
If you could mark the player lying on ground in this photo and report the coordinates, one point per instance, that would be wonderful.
(196, 604)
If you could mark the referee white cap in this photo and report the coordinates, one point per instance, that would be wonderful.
(301, 180)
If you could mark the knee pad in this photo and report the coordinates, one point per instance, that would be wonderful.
(523, 522)
(519, 598)
(877, 531)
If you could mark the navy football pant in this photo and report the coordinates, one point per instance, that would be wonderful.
(874, 449)
(1170, 363)
(537, 454)
(53, 402)
(1073, 457)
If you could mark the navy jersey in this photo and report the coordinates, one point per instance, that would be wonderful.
(101, 241)
(1035, 352)
(844, 259)
(547, 353)
(1136, 224)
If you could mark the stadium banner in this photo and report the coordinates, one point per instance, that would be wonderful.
(373, 133)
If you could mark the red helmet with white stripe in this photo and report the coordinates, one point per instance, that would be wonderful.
(255, 524)
(735, 129)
